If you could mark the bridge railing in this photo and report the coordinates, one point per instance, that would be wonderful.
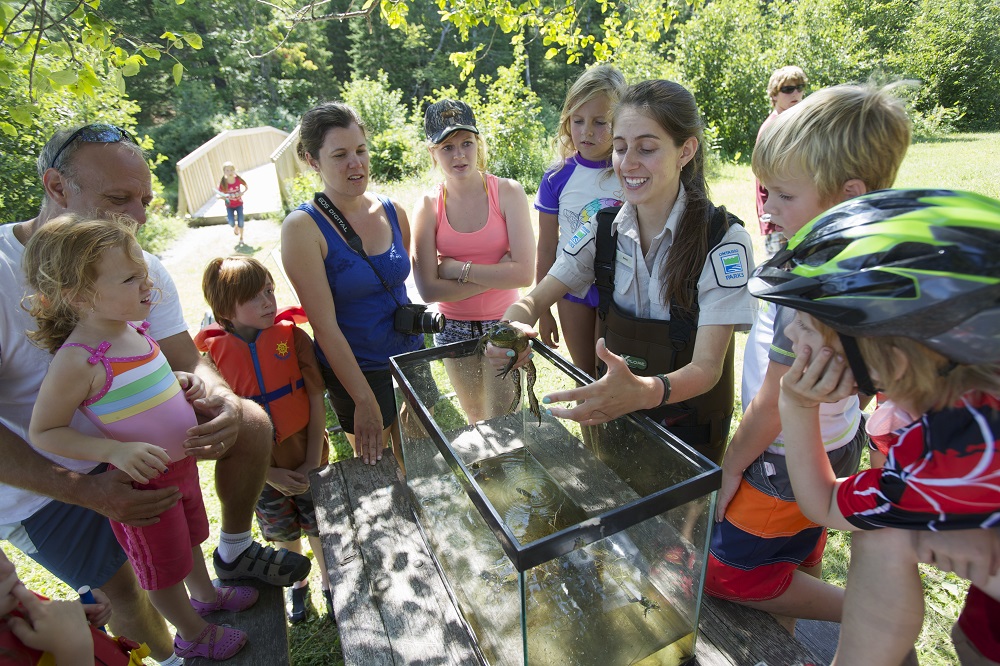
(199, 172)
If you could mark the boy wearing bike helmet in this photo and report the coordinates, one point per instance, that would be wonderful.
(837, 144)
(899, 291)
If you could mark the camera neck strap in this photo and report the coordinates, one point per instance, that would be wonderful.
(352, 237)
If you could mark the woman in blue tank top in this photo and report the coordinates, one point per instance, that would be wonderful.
(350, 310)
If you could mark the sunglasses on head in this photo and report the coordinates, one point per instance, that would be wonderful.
(788, 90)
(95, 133)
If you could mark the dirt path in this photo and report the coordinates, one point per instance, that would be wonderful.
(187, 257)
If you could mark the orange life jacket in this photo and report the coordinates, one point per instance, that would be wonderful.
(265, 371)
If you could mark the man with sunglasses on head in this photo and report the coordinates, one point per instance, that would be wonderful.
(785, 88)
(55, 509)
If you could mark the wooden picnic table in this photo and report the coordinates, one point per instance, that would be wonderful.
(392, 606)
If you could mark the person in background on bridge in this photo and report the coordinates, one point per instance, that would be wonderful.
(99, 169)
(785, 89)
(350, 302)
(232, 188)
(472, 249)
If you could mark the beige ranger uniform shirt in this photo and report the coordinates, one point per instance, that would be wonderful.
(723, 298)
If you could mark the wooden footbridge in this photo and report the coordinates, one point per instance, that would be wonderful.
(264, 157)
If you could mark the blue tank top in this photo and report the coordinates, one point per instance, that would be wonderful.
(365, 311)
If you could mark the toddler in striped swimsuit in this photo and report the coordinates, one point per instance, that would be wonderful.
(91, 287)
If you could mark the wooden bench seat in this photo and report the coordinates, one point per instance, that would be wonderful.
(392, 607)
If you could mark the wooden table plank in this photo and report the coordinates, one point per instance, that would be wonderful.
(390, 603)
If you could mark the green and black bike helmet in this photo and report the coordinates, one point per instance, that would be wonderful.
(923, 264)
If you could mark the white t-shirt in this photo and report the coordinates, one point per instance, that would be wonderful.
(723, 298)
(576, 192)
(838, 421)
(23, 365)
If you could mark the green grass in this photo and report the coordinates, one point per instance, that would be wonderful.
(958, 161)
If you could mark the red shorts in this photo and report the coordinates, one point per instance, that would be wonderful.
(161, 553)
(759, 545)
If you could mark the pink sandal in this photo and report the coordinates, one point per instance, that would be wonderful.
(233, 599)
(229, 643)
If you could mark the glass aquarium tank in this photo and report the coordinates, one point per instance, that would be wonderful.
(560, 543)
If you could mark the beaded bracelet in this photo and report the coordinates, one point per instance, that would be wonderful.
(666, 389)
(464, 277)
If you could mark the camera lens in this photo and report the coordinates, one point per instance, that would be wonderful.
(432, 322)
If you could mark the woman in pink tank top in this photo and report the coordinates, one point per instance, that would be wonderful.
(473, 248)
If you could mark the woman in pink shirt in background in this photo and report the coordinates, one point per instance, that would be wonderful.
(473, 247)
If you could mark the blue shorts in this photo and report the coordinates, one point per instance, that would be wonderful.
(590, 300)
(72, 543)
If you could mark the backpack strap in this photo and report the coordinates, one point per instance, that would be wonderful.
(604, 259)
(683, 323)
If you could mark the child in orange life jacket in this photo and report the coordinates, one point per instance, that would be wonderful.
(265, 357)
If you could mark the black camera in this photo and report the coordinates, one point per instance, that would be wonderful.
(413, 318)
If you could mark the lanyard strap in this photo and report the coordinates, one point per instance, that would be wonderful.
(353, 239)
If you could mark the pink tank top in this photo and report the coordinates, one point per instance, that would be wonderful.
(485, 246)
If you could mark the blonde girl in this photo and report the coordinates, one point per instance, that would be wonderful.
(579, 184)
(91, 286)
(232, 187)
(472, 247)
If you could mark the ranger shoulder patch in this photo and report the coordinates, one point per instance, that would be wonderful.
(729, 261)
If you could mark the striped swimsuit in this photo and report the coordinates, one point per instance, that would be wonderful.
(142, 401)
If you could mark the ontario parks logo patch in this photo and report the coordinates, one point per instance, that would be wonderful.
(730, 264)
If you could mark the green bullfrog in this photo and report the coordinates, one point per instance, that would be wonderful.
(510, 337)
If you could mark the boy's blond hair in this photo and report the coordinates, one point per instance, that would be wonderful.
(835, 135)
(931, 381)
(789, 75)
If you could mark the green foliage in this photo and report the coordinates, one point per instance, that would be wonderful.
(953, 49)
(395, 147)
(379, 106)
(52, 46)
(727, 51)
(397, 153)
(301, 187)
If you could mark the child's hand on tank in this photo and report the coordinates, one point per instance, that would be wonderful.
(191, 384)
(288, 482)
(809, 381)
(98, 613)
(140, 460)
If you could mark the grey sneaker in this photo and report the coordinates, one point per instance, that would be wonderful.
(274, 567)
